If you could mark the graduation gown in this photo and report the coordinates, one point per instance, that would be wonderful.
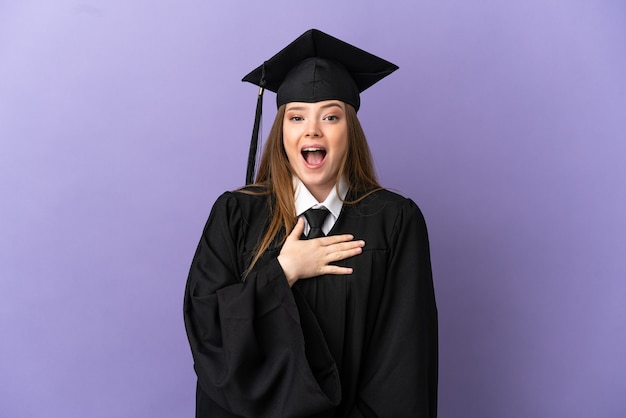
(359, 345)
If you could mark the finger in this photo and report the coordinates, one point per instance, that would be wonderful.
(343, 246)
(342, 255)
(330, 269)
(335, 239)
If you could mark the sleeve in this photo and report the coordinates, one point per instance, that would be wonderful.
(245, 336)
(400, 369)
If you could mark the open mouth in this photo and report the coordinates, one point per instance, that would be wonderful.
(313, 156)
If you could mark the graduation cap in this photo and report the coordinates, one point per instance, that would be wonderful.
(313, 68)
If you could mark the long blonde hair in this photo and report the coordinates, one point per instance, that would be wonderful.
(275, 177)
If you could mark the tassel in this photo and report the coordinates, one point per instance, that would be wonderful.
(255, 131)
(255, 139)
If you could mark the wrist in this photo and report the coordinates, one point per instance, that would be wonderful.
(289, 275)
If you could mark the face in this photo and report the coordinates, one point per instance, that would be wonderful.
(315, 137)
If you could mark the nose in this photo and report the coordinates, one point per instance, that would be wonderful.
(313, 129)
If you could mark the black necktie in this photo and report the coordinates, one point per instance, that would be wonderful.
(316, 218)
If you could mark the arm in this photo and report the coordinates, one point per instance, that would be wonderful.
(245, 337)
(399, 371)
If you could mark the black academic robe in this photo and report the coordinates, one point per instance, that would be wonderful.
(359, 345)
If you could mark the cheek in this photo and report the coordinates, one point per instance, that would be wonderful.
(290, 147)
(342, 144)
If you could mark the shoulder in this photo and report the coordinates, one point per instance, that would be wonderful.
(403, 219)
(389, 196)
(244, 203)
(379, 216)
(237, 219)
(396, 211)
(389, 207)
(386, 201)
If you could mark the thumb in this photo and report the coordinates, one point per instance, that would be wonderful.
(297, 230)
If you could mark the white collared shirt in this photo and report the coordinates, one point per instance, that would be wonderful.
(334, 202)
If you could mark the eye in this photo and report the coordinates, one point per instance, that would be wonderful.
(296, 118)
(332, 118)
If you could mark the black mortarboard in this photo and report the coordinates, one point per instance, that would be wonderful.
(315, 67)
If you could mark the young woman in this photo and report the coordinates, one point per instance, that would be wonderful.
(292, 316)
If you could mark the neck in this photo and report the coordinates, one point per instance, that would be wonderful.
(320, 196)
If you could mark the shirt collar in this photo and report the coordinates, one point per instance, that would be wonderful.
(304, 200)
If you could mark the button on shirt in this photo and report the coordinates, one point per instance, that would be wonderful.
(334, 202)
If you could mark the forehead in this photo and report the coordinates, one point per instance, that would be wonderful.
(305, 106)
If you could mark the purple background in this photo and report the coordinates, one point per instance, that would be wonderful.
(122, 121)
